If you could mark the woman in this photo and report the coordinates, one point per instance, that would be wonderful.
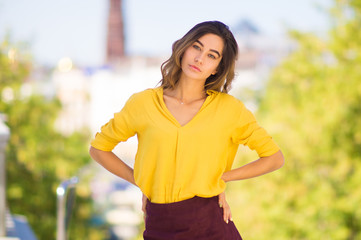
(189, 130)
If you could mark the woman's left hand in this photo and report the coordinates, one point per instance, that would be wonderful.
(227, 215)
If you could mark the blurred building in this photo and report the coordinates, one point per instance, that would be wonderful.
(72, 89)
(115, 34)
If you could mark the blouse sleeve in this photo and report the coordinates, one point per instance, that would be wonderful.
(118, 129)
(249, 133)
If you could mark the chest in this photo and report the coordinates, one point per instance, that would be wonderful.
(183, 113)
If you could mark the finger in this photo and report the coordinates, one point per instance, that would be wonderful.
(225, 216)
(143, 207)
(220, 200)
(228, 212)
(225, 211)
(144, 202)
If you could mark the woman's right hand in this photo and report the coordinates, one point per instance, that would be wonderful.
(144, 204)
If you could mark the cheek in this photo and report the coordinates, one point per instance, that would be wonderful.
(182, 62)
(184, 58)
(216, 67)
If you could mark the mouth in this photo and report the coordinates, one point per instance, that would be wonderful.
(194, 68)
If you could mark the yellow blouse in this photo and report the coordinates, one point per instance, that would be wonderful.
(175, 162)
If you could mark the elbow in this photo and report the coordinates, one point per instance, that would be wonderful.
(280, 160)
(97, 155)
(275, 161)
(93, 153)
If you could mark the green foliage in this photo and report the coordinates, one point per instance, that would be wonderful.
(38, 157)
(312, 107)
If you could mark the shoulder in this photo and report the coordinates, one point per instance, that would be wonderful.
(143, 94)
(142, 97)
(229, 101)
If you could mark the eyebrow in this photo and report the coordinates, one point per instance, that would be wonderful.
(212, 50)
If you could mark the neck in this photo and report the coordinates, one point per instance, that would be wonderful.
(188, 91)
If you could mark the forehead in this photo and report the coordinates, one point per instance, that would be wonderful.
(212, 41)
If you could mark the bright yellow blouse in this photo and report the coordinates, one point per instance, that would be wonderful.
(175, 162)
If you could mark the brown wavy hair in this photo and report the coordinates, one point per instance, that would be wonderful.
(221, 81)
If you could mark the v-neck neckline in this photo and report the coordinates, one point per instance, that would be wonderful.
(210, 94)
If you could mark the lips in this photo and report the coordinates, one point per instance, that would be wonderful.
(194, 68)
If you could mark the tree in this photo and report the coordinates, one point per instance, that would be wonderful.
(312, 107)
(38, 157)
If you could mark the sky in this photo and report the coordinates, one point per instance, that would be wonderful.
(77, 28)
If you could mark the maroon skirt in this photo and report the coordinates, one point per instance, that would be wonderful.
(195, 218)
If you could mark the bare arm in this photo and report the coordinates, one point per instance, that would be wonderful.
(113, 164)
(256, 168)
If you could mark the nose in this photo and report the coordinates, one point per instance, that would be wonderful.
(199, 58)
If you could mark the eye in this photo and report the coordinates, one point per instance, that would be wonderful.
(195, 46)
(212, 56)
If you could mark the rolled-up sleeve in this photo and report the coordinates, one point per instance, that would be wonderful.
(247, 132)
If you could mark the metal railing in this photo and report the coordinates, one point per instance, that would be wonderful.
(65, 202)
(4, 136)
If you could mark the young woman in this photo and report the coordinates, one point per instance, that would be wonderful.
(188, 132)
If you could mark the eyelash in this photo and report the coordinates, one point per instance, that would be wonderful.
(195, 46)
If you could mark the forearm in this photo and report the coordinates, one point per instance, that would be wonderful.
(256, 168)
(113, 164)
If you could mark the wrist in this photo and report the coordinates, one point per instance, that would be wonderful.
(224, 177)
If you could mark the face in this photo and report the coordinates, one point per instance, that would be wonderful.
(201, 59)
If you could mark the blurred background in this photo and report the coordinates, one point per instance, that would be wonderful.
(67, 66)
